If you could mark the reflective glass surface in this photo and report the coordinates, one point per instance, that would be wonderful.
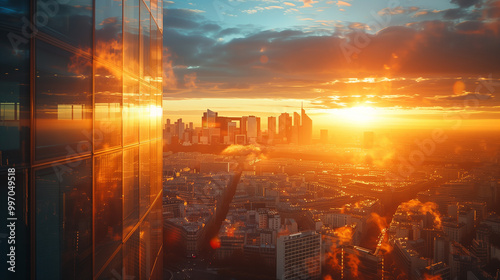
(14, 94)
(130, 189)
(114, 269)
(146, 261)
(108, 74)
(68, 21)
(131, 256)
(108, 206)
(63, 101)
(131, 72)
(64, 221)
(144, 169)
(156, 227)
(145, 73)
(93, 115)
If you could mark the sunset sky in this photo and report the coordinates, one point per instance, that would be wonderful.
(352, 63)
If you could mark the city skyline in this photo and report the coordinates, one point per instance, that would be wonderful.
(381, 64)
(216, 129)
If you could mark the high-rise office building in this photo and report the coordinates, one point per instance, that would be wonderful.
(305, 129)
(285, 127)
(298, 256)
(252, 129)
(296, 131)
(81, 140)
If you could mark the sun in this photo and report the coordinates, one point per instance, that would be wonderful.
(360, 115)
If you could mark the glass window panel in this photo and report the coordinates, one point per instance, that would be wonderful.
(130, 189)
(14, 94)
(145, 109)
(131, 107)
(159, 65)
(12, 13)
(108, 74)
(108, 206)
(114, 270)
(153, 115)
(160, 14)
(144, 168)
(131, 37)
(145, 250)
(159, 164)
(154, 53)
(14, 84)
(152, 172)
(154, 8)
(131, 112)
(63, 101)
(63, 195)
(145, 26)
(145, 71)
(69, 21)
(131, 257)
(156, 228)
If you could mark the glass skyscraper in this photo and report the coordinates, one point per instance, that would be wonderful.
(80, 139)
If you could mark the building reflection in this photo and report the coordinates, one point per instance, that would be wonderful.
(80, 114)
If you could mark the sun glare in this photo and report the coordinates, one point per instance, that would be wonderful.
(357, 115)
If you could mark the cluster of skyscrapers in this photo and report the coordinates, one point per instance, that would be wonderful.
(243, 130)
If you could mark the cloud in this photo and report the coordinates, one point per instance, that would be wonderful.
(273, 7)
(414, 65)
(465, 3)
(343, 3)
(308, 3)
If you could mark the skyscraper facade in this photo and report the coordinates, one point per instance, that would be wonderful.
(81, 141)
(298, 256)
(285, 127)
(306, 128)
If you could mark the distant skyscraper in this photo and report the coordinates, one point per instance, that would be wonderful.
(299, 256)
(80, 105)
(179, 129)
(231, 131)
(306, 129)
(243, 126)
(285, 127)
(259, 131)
(252, 129)
(296, 129)
(271, 129)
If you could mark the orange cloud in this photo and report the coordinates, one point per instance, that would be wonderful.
(343, 3)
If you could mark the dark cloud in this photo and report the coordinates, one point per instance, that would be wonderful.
(465, 3)
(454, 13)
(470, 26)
